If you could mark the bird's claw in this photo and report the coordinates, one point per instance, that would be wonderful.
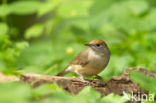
(100, 78)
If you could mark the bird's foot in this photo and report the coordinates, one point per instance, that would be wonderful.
(99, 77)
(83, 80)
(101, 80)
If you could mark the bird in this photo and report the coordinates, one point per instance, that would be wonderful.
(89, 62)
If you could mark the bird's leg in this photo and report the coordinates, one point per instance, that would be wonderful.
(98, 77)
(101, 80)
(81, 77)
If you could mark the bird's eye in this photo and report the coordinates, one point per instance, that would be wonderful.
(98, 45)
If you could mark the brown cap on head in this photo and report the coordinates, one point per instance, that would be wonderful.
(97, 41)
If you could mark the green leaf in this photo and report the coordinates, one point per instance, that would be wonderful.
(146, 82)
(75, 8)
(113, 98)
(3, 29)
(25, 7)
(100, 6)
(22, 45)
(86, 95)
(138, 7)
(43, 90)
(29, 57)
(14, 93)
(124, 15)
(48, 6)
(2, 64)
(34, 31)
(4, 10)
(149, 20)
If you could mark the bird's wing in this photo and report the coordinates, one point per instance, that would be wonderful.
(81, 58)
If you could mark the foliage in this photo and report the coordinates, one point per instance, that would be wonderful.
(43, 36)
(25, 94)
(146, 82)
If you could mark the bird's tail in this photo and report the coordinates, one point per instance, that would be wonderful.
(62, 73)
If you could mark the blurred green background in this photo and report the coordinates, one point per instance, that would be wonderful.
(42, 36)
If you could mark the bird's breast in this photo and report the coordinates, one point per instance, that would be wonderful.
(97, 61)
(95, 65)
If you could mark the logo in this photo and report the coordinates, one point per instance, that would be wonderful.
(138, 96)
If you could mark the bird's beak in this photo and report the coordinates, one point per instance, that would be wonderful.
(89, 44)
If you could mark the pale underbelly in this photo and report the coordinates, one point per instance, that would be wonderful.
(90, 71)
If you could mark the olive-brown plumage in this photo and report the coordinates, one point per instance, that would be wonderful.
(91, 61)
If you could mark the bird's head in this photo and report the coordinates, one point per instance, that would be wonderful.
(98, 46)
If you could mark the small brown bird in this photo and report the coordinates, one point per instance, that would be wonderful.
(91, 61)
